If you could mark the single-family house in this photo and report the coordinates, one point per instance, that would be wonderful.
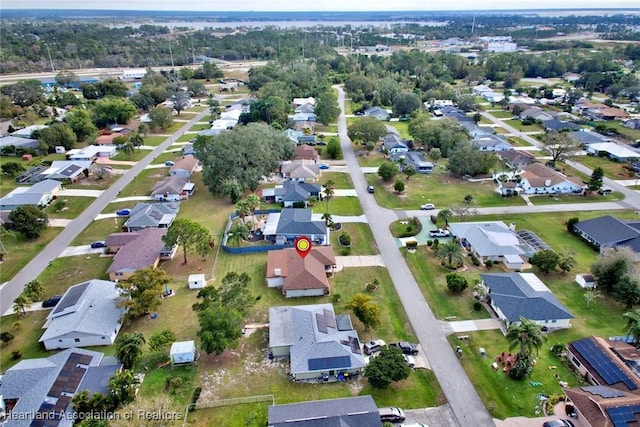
(301, 277)
(173, 188)
(614, 151)
(319, 343)
(146, 215)
(612, 397)
(480, 89)
(87, 315)
(303, 117)
(92, 152)
(377, 112)
(610, 232)
(188, 150)
(492, 240)
(536, 113)
(18, 143)
(555, 125)
(516, 159)
(283, 227)
(306, 152)
(474, 130)
(415, 159)
(300, 170)
(631, 124)
(66, 170)
(537, 178)
(358, 411)
(571, 77)
(184, 166)
(302, 101)
(291, 193)
(392, 144)
(523, 295)
(586, 281)
(39, 195)
(492, 143)
(305, 108)
(39, 392)
(212, 131)
(588, 137)
(27, 132)
(143, 250)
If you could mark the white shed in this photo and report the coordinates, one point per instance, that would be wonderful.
(586, 281)
(183, 352)
(197, 281)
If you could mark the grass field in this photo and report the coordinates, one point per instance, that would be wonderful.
(501, 114)
(73, 206)
(518, 142)
(340, 180)
(154, 140)
(136, 156)
(166, 156)
(344, 206)
(199, 127)
(362, 242)
(519, 126)
(143, 183)
(21, 250)
(613, 170)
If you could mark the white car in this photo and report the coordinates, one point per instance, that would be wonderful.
(411, 361)
(427, 207)
(439, 233)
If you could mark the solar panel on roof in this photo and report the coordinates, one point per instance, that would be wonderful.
(343, 323)
(326, 363)
(329, 318)
(606, 368)
(606, 392)
(621, 416)
(85, 359)
(71, 298)
(322, 323)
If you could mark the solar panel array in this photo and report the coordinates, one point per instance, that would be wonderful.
(327, 363)
(600, 361)
(353, 343)
(602, 391)
(71, 297)
(622, 416)
(331, 320)
(325, 320)
(343, 322)
(322, 323)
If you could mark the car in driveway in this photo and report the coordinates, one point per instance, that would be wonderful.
(406, 347)
(558, 423)
(123, 212)
(169, 163)
(373, 346)
(324, 166)
(410, 360)
(391, 414)
(439, 233)
(371, 189)
(51, 302)
(98, 244)
(427, 207)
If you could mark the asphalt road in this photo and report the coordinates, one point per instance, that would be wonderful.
(32, 270)
(462, 396)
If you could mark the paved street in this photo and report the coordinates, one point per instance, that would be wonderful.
(10, 290)
(460, 393)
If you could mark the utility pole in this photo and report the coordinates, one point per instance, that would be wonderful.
(171, 53)
(193, 52)
(473, 25)
(50, 60)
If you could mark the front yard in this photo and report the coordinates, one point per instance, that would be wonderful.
(362, 241)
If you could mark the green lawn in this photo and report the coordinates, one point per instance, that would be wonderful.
(186, 137)
(372, 159)
(143, 183)
(6, 186)
(344, 206)
(613, 170)
(632, 134)
(340, 180)
(67, 271)
(440, 188)
(199, 127)
(100, 229)
(518, 142)
(154, 140)
(402, 127)
(501, 114)
(519, 126)
(362, 242)
(571, 198)
(162, 158)
(328, 129)
(500, 130)
(402, 228)
(136, 156)
(21, 250)
(73, 206)
(27, 334)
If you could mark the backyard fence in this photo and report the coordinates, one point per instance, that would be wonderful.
(227, 402)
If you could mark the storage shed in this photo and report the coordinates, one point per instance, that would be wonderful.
(183, 352)
(197, 281)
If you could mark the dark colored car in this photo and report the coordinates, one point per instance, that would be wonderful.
(123, 212)
(406, 347)
(371, 189)
(558, 423)
(99, 244)
(51, 302)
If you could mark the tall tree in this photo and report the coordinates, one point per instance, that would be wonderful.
(445, 215)
(238, 232)
(365, 310)
(29, 221)
(112, 110)
(181, 101)
(253, 202)
(80, 122)
(366, 129)
(188, 234)
(546, 260)
(21, 304)
(25, 92)
(387, 367)
(444, 134)
(141, 292)
(465, 159)
(122, 387)
(235, 293)
(612, 265)
(595, 183)
(129, 348)
(161, 118)
(387, 171)
(560, 145)
(526, 336)
(406, 103)
(220, 327)
(214, 107)
(327, 108)
(58, 134)
(34, 290)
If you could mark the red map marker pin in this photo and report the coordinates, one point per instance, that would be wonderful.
(303, 246)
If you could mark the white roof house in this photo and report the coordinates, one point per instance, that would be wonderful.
(614, 151)
(87, 315)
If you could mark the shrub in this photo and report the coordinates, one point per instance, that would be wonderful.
(436, 243)
(399, 186)
(489, 263)
(477, 306)
(411, 244)
(475, 260)
(16, 354)
(6, 336)
(456, 282)
(344, 239)
(196, 395)
(336, 297)
(429, 242)
(59, 205)
(571, 222)
(345, 251)
(298, 205)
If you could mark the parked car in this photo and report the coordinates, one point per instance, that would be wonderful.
(391, 414)
(406, 347)
(169, 163)
(558, 423)
(371, 189)
(427, 207)
(324, 166)
(373, 346)
(123, 212)
(51, 302)
(99, 244)
(411, 361)
(439, 233)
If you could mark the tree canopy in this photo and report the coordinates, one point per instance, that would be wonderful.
(188, 234)
(444, 134)
(560, 145)
(141, 292)
(28, 221)
(387, 367)
(465, 159)
(365, 310)
(366, 129)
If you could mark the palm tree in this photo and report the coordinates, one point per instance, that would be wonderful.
(633, 325)
(243, 209)
(253, 202)
(238, 232)
(136, 139)
(445, 215)
(129, 348)
(327, 218)
(128, 148)
(527, 335)
(451, 251)
(329, 188)
(21, 303)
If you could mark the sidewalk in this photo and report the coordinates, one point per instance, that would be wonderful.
(470, 325)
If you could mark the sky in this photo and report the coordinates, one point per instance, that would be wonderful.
(325, 5)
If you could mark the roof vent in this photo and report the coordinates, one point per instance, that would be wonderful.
(277, 272)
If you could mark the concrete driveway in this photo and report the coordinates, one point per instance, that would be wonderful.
(59, 222)
(359, 261)
(438, 416)
(470, 325)
(80, 193)
(80, 250)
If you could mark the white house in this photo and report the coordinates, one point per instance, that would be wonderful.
(197, 281)
(537, 178)
(492, 143)
(182, 352)
(87, 315)
(133, 73)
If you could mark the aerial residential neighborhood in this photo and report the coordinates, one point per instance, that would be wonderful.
(430, 223)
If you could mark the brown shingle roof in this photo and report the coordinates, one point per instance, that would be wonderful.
(119, 239)
(538, 174)
(184, 163)
(301, 169)
(299, 273)
(140, 252)
(305, 152)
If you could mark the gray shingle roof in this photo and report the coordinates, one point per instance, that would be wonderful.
(610, 231)
(140, 252)
(586, 137)
(169, 185)
(298, 222)
(523, 295)
(557, 125)
(359, 411)
(94, 313)
(492, 238)
(146, 215)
